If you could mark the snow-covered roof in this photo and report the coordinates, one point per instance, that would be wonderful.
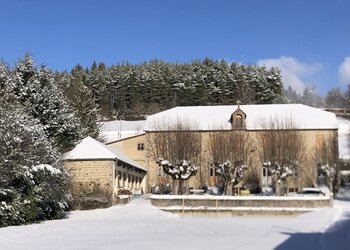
(120, 129)
(258, 117)
(91, 149)
(88, 149)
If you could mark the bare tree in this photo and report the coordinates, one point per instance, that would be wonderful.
(282, 149)
(176, 143)
(230, 152)
(326, 156)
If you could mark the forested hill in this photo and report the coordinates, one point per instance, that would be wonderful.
(127, 90)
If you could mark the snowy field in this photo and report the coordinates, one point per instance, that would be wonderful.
(139, 225)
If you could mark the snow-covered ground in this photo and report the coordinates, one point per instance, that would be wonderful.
(139, 225)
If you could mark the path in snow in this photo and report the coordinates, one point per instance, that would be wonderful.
(140, 226)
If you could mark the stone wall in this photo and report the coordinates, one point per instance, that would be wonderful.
(92, 180)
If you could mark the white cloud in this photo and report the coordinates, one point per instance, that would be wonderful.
(344, 71)
(293, 71)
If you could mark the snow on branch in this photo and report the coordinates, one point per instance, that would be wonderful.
(327, 170)
(282, 171)
(180, 170)
(233, 173)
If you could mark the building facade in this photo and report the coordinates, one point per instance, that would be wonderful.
(256, 135)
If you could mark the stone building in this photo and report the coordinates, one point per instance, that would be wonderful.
(99, 171)
(311, 141)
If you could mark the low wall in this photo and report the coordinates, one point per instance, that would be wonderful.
(240, 201)
(228, 206)
(212, 212)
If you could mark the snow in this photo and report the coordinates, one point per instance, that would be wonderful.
(344, 138)
(345, 172)
(138, 225)
(120, 129)
(258, 116)
(47, 167)
(89, 148)
(179, 170)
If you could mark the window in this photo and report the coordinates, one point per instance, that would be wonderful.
(140, 146)
(238, 121)
(159, 171)
(212, 171)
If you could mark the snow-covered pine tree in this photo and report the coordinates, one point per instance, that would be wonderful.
(101, 85)
(86, 110)
(241, 88)
(33, 183)
(42, 99)
(153, 86)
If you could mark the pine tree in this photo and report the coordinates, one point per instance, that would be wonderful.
(42, 99)
(86, 110)
(33, 184)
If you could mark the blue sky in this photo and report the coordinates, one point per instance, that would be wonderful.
(309, 40)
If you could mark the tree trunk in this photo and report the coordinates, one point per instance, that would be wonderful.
(176, 187)
(229, 188)
(180, 191)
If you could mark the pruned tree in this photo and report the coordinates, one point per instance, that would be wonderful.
(281, 172)
(176, 143)
(230, 152)
(231, 174)
(179, 171)
(282, 150)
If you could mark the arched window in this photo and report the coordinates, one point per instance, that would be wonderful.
(238, 121)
